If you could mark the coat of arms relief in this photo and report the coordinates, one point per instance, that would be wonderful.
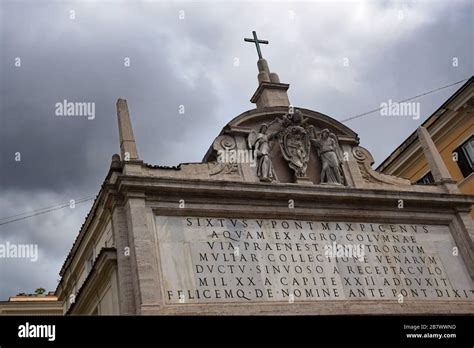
(296, 138)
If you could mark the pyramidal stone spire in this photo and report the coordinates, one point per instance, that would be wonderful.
(128, 148)
(270, 91)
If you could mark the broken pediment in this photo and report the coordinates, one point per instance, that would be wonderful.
(284, 144)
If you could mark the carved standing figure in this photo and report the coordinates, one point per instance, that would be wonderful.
(261, 144)
(328, 152)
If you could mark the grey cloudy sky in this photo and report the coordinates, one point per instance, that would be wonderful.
(394, 50)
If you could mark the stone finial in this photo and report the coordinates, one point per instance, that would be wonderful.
(116, 163)
(128, 148)
(270, 91)
(274, 77)
(436, 164)
(263, 71)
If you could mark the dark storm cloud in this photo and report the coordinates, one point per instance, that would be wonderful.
(81, 61)
(52, 234)
(201, 62)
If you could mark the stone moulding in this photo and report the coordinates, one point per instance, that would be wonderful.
(365, 161)
(325, 307)
(317, 195)
(224, 143)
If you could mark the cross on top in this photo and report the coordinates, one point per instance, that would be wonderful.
(257, 43)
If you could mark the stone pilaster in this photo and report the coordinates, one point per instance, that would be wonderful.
(142, 243)
(462, 230)
(124, 263)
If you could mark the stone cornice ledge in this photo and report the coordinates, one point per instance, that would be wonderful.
(129, 184)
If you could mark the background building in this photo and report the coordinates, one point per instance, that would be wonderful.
(32, 304)
(452, 129)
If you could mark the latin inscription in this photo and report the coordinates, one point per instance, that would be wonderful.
(253, 260)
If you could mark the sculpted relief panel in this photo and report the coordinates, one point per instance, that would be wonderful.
(225, 144)
(296, 139)
(260, 144)
(329, 153)
(217, 260)
(294, 148)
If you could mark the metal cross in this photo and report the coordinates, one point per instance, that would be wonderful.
(257, 43)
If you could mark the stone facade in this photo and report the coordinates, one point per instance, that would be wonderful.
(160, 240)
(31, 304)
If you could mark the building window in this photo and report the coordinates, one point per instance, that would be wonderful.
(465, 156)
(426, 179)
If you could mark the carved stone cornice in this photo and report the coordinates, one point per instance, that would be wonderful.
(268, 85)
(238, 191)
(365, 161)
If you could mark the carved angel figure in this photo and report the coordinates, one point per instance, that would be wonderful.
(328, 151)
(260, 143)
